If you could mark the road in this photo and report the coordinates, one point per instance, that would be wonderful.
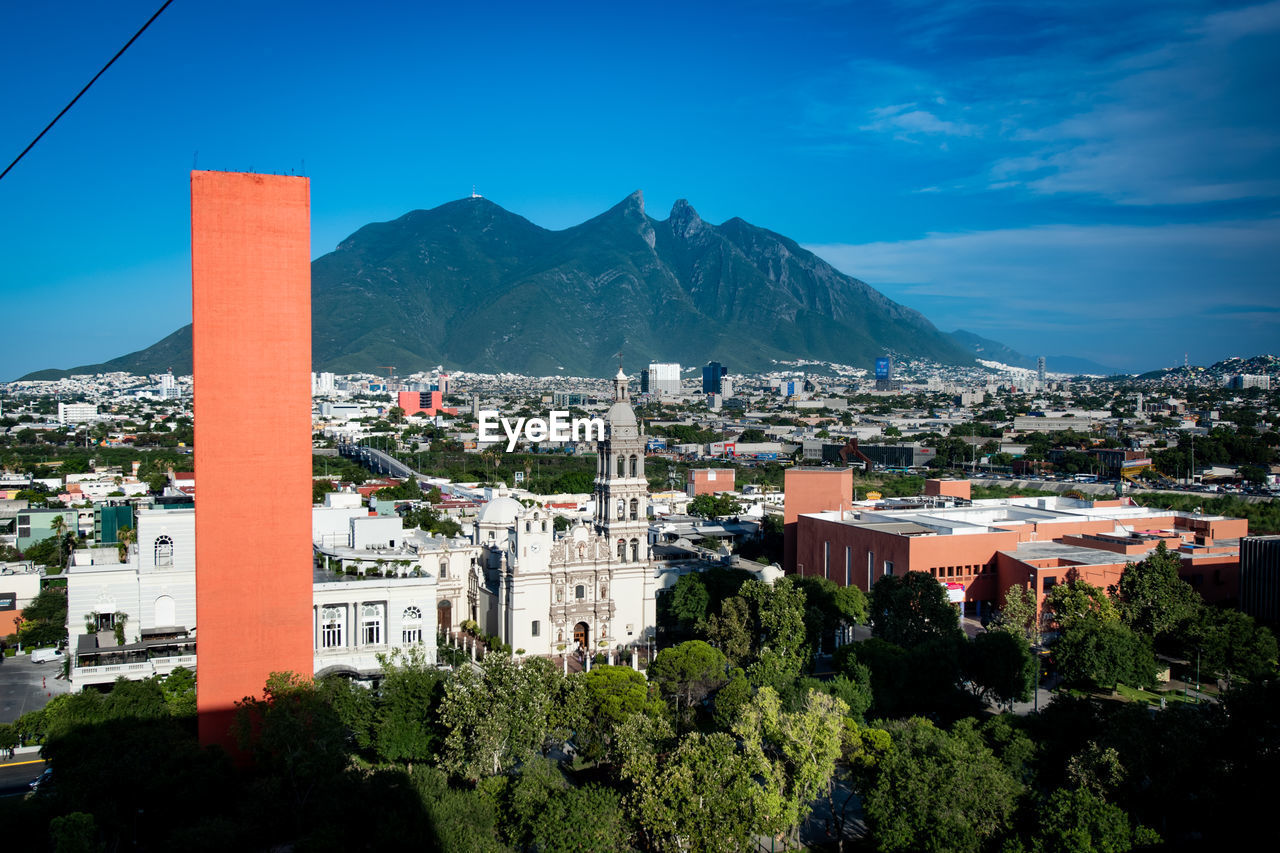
(15, 774)
(26, 686)
(1108, 489)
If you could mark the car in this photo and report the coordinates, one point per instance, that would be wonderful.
(42, 780)
(46, 655)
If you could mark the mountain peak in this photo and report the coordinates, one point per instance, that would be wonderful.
(684, 219)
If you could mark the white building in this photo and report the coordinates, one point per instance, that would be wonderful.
(76, 413)
(372, 610)
(664, 379)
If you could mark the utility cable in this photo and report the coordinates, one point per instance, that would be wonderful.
(85, 89)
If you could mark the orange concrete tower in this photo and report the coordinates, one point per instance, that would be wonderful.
(251, 343)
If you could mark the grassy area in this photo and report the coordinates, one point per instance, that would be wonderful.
(1134, 694)
(1264, 516)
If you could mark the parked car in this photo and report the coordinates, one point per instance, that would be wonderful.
(46, 655)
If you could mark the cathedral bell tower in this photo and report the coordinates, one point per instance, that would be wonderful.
(621, 490)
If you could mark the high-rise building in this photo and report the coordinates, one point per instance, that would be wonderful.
(713, 377)
(664, 379)
(1040, 372)
(251, 315)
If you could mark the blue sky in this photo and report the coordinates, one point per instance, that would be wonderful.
(1095, 179)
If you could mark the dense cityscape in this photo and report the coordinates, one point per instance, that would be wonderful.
(557, 704)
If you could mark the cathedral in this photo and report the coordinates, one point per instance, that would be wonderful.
(591, 588)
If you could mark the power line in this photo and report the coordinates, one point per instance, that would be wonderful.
(85, 89)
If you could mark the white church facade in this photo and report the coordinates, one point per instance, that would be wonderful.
(593, 587)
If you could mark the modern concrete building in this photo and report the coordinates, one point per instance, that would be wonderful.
(980, 549)
(251, 330)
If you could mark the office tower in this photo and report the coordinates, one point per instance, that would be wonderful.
(1040, 371)
(251, 314)
(664, 379)
(713, 377)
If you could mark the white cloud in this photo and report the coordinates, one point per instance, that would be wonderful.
(1123, 290)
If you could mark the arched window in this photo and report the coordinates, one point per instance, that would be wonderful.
(635, 505)
(622, 461)
(164, 551)
(411, 625)
(635, 550)
(371, 624)
(579, 592)
(622, 509)
(332, 620)
(633, 466)
(622, 550)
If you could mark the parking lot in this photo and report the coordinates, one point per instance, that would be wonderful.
(26, 686)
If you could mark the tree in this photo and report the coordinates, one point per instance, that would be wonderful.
(1229, 642)
(778, 611)
(731, 631)
(999, 667)
(1153, 599)
(688, 673)
(689, 599)
(1071, 601)
(939, 791)
(508, 712)
(714, 506)
(612, 694)
(907, 609)
(320, 488)
(798, 751)
(411, 692)
(1097, 652)
(1081, 822)
(702, 795)
(545, 813)
(829, 607)
(44, 620)
(1019, 614)
(293, 734)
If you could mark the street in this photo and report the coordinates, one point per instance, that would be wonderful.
(26, 686)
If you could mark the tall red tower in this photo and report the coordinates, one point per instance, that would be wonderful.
(251, 343)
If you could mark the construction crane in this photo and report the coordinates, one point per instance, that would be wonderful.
(391, 374)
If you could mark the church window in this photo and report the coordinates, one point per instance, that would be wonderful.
(622, 461)
(164, 551)
(444, 569)
(622, 550)
(633, 466)
(535, 629)
(635, 551)
(635, 505)
(622, 510)
(579, 592)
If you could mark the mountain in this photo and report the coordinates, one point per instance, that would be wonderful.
(473, 286)
(990, 350)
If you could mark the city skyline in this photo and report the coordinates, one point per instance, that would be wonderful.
(974, 161)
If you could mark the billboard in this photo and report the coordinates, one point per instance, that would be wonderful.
(882, 368)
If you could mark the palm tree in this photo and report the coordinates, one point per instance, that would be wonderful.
(59, 527)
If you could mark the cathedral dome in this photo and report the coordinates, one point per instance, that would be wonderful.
(620, 415)
(501, 511)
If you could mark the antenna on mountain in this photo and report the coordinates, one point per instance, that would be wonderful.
(475, 194)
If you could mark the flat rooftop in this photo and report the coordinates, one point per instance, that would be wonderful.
(988, 516)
